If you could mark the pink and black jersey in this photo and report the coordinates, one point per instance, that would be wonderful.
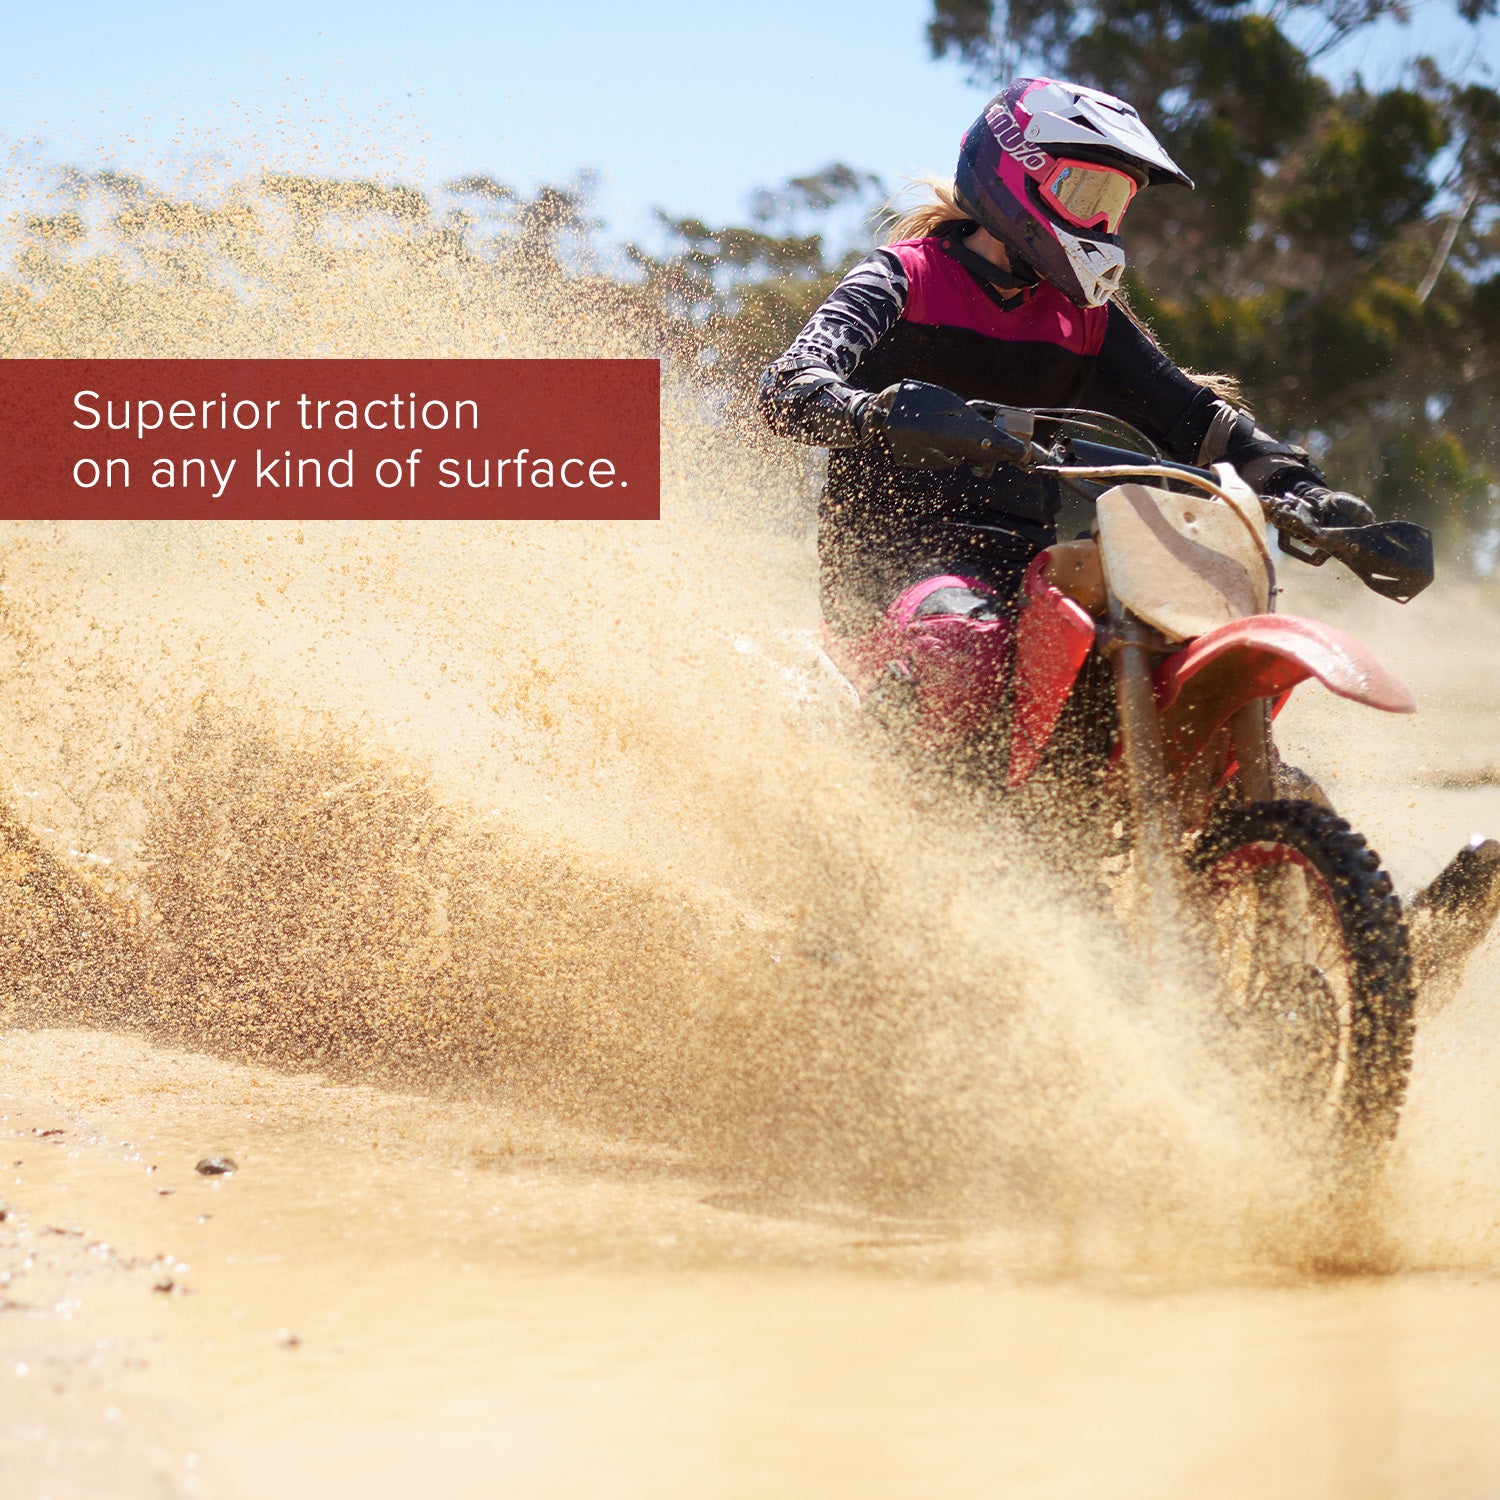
(924, 309)
(952, 322)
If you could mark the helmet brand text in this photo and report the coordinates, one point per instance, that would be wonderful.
(1013, 139)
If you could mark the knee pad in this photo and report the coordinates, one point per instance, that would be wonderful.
(947, 643)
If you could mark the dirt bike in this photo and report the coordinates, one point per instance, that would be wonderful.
(1147, 667)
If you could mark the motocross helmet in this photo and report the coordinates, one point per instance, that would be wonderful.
(1049, 168)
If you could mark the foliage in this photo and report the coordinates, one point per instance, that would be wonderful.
(738, 295)
(1339, 254)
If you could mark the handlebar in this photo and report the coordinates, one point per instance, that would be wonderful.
(928, 427)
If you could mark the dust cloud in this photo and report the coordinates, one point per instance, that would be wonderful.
(569, 815)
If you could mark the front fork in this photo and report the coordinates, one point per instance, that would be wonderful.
(1154, 813)
(1250, 729)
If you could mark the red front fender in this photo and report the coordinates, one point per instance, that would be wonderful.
(1263, 656)
(1273, 653)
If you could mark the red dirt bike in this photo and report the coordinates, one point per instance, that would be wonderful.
(1147, 666)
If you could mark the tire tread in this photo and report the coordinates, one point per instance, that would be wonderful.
(1375, 930)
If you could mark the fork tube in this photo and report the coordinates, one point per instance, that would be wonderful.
(1250, 729)
(1152, 811)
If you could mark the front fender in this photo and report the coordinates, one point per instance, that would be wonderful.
(1262, 656)
(1281, 651)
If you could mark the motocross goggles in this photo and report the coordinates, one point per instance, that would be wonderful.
(1088, 195)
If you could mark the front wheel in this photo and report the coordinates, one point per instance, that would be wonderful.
(1314, 971)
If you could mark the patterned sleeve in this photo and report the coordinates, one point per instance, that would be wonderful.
(804, 394)
(1134, 379)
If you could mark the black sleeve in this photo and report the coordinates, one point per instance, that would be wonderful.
(804, 394)
(1133, 379)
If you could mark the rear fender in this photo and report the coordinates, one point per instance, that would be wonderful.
(1053, 639)
(1262, 656)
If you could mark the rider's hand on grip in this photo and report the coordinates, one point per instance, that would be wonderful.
(926, 427)
(1325, 507)
(1394, 558)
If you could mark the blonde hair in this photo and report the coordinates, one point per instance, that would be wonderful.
(942, 212)
(939, 212)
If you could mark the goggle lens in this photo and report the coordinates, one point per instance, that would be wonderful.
(1089, 196)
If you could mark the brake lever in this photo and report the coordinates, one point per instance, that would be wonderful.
(1298, 537)
(1314, 557)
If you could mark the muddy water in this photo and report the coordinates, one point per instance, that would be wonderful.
(626, 1096)
(393, 1292)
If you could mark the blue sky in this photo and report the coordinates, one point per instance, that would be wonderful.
(686, 105)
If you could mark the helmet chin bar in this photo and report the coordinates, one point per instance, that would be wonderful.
(1097, 269)
(1094, 267)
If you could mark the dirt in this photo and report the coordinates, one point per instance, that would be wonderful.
(631, 1087)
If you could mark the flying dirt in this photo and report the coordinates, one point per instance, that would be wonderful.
(634, 1081)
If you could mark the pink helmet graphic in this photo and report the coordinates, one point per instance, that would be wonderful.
(1050, 168)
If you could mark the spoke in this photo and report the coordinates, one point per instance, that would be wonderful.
(1283, 966)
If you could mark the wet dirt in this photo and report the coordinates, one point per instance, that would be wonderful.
(392, 1291)
(631, 1087)
(395, 1290)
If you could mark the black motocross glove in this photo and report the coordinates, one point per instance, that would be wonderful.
(1325, 507)
(872, 411)
(927, 427)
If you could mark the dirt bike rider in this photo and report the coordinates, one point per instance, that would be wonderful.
(1003, 290)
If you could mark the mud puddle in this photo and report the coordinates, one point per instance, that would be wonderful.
(366, 1308)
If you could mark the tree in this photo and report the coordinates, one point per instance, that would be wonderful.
(1339, 253)
(735, 295)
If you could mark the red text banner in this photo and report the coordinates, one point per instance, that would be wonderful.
(330, 439)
